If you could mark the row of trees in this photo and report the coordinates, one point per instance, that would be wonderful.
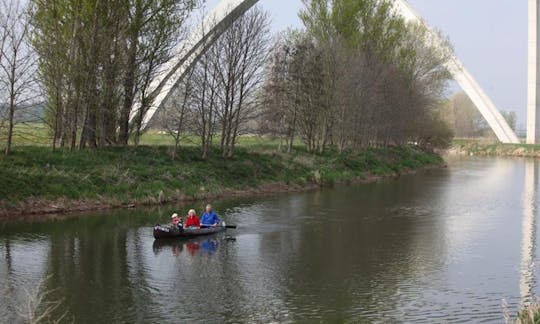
(97, 58)
(93, 60)
(357, 76)
(334, 84)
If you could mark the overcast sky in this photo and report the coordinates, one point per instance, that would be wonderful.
(489, 36)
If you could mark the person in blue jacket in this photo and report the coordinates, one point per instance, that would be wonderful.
(209, 217)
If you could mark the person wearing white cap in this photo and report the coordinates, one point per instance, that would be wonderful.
(176, 221)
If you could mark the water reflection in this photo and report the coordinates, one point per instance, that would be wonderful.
(22, 267)
(207, 245)
(422, 248)
(528, 245)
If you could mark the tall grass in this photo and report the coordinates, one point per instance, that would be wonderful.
(529, 315)
(150, 174)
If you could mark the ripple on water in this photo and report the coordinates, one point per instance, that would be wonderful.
(431, 248)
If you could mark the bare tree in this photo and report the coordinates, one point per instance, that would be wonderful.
(240, 55)
(204, 101)
(155, 34)
(3, 37)
(272, 119)
(18, 63)
(175, 115)
(194, 102)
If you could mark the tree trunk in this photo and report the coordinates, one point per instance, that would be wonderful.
(57, 123)
(74, 121)
(11, 115)
(129, 94)
(130, 79)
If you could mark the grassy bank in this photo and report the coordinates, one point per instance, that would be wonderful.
(37, 180)
(491, 148)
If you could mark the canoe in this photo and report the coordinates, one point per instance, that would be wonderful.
(166, 231)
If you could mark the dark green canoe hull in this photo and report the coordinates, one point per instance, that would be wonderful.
(161, 232)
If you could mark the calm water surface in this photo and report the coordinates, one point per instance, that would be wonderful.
(440, 246)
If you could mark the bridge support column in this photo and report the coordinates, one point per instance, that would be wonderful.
(533, 102)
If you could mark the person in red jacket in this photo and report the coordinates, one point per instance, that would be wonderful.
(192, 220)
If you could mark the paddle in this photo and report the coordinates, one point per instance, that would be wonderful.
(226, 226)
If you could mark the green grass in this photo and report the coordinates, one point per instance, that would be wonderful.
(493, 148)
(38, 134)
(146, 174)
(139, 174)
(24, 134)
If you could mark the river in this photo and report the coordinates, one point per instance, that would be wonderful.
(446, 245)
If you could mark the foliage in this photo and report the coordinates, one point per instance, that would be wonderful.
(97, 59)
(465, 119)
(357, 77)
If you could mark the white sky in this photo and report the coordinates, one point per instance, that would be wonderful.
(489, 36)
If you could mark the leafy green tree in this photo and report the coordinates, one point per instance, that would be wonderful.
(97, 58)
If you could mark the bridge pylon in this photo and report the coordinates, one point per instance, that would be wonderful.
(533, 101)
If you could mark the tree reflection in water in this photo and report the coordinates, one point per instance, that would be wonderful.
(206, 245)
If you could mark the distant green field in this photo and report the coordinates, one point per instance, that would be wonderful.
(27, 134)
(37, 134)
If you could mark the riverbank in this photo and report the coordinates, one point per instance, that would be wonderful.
(490, 148)
(35, 180)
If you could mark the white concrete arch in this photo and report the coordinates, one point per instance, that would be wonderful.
(465, 80)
